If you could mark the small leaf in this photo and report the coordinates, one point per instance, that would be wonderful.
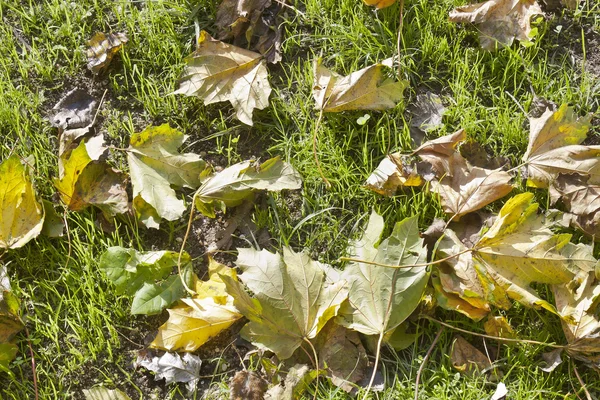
(102, 393)
(367, 89)
(152, 298)
(467, 359)
(53, 223)
(103, 48)
(294, 297)
(217, 72)
(499, 21)
(498, 326)
(173, 368)
(247, 385)
(231, 186)
(155, 165)
(22, 214)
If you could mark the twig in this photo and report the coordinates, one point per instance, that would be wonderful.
(99, 106)
(33, 368)
(437, 337)
(316, 131)
(399, 38)
(378, 353)
(405, 266)
(283, 3)
(587, 394)
(555, 346)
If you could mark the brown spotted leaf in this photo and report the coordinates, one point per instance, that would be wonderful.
(103, 48)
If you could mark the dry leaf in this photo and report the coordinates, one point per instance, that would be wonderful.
(247, 385)
(253, 25)
(467, 359)
(367, 89)
(427, 112)
(294, 297)
(10, 321)
(498, 326)
(217, 72)
(582, 199)
(74, 110)
(393, 173)
(499, 21)
(440, 152)
(87, 183)
(554, 147)
(296, 381)
(173, 368)
(102, 393)
(21, 213)
(197, 320)
(103, 48)
(379, 4)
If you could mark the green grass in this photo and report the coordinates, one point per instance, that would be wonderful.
(80, 330)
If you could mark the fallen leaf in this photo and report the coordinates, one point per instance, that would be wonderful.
(518, 249)
(87, 183)
(553, 359)
(53, 223)
(427, 112)
(342, 354)
(470, 188)
(173, 368)
(498, 326)
(155, 165)
(577, 306)
(581, 199)
(74, 110)
(253, 25)
(217, 72)
(22, 214)
(234, 184)
(391, 174)
(135, 273)
(367, 89)
(441, 152)
(195, 321)
(467, 359)
(102, 393)
(102, 49)
(499, 21)
(379, 4)
(296, 382)
(10, 321)
(554, 148)
(500, 393)
(381, 298)
(399, 339)
(294, 297)
(247, 385)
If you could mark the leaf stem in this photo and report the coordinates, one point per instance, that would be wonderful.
(377, 356)
(528, 341)
(405, 266)
(187, 232)
(316, 366)
(316, 156)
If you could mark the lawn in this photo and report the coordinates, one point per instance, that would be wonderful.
(81, 333)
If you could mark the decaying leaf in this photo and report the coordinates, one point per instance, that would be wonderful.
(499, 21)
(367, 89)
(294, 297)
(553, 359)
(554, 148)
(173, 368)
(75, 110)
(135, 274)
(195, 321)
(253, 25)
(217, 72)
(102, 393)
(86, 182)
(296, 381)
(391, 174)
(53, 223)
(247, 385)
(103, 48)
(10, 321)
(467, 359)
(234, 184)
(381, 298)
(21, 213)
(155, 164)
(427, 112)
(498, 326)
(578, 308)
(517, 250)
(500, 393)
(581, 198)
(379, 4)
(342, 354)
